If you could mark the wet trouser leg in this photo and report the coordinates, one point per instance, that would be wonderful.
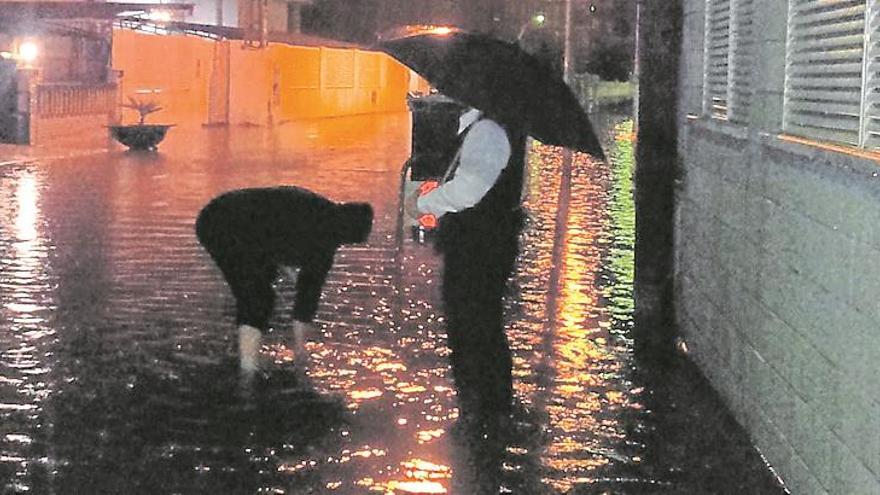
(477, 264)
(248, 272)
(250, 279)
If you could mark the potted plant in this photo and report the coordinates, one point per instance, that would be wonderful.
(140, 136)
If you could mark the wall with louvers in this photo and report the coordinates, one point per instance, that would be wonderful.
(778, 228)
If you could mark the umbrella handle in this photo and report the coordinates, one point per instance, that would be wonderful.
(400, 213)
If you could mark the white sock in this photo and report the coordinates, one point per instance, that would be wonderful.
(249, 348)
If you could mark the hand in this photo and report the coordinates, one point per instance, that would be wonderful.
(428, 186)
(428, 221)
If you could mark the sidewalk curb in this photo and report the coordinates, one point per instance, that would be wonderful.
(10, 163)
(59, 155)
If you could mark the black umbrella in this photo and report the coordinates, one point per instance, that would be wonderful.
(501, 79)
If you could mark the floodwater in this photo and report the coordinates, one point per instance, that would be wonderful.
(118, 371)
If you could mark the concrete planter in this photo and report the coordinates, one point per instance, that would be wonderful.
(142, 137)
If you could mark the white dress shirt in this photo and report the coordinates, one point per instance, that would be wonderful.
(484, 154)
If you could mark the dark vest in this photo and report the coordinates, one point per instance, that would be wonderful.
(505, 194)
(500, 207)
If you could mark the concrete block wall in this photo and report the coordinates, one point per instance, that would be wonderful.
(778, 278)
(778, 271)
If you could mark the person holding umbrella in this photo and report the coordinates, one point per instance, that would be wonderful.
(479, 216)
(511, 94)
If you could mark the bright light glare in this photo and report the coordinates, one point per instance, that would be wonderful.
(28, 51)
(442, 31)
(540, 19)
(422, 487)
(160, 16)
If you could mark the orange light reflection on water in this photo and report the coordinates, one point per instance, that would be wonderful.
(421, 477)
(581, 359)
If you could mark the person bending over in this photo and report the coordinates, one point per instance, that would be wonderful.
(251, 233)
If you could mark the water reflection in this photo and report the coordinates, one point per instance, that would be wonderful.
(26, 292)
(26, 219)
(119, 372)
(194, 431)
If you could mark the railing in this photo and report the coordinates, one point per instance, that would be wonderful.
(147, 26)
(70, 100)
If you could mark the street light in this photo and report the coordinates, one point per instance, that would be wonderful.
(537, 20)
(28, 51)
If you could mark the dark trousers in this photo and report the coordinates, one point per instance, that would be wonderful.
(250, 275)
(479, 256)
(250, 278)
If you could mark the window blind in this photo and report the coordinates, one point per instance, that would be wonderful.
(742, 59)
(871, 98)
(824, 69)
(717, 58)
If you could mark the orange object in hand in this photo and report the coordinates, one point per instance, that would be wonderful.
(428, 186)
(428, 221)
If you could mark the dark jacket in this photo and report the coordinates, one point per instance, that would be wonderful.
(291, 225)
(249, 232)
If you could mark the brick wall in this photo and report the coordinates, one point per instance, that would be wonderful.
(778, 277)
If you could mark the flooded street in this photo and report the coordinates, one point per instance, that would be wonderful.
(119, 371)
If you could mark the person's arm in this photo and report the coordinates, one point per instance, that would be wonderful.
(309, 285)
(485, 152)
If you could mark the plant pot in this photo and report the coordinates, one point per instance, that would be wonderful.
(143, 137)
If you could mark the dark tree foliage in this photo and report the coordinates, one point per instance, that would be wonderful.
(349, 20)
(611, 62)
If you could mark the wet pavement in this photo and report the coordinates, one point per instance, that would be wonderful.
(118, 368)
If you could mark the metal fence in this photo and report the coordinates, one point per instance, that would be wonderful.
(71, 100)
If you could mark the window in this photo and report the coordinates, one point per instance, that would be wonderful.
(871, 92)
(743, 39)
(832, 75)
(729, 59)
(716, 62)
